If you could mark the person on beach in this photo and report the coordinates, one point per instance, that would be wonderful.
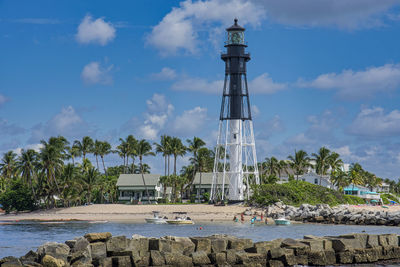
(242, 217)
(235, 219)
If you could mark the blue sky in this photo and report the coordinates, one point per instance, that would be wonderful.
(323, 73)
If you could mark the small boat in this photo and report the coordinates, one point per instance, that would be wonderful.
(282, 221)
(181, 218)
(156, 218)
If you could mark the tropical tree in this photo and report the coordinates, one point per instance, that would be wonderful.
(272, 166)
(334, 161)
(340, 179)
(355, 174)
(282, 167)
(144, 149)
(105, 149)
(96, 151)
(164, 148)
(132, 150)
(7, 167)
(177, 149)
(73, 153)
(85, 146)
(299, 162)
(194, 146)
(204, 163)
(26, 165)
(322, 162)
(90, 178)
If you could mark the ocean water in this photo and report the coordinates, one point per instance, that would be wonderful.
(17, 239)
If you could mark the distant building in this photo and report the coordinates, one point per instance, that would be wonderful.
(363, 192)
(131, 188)
(206, 184)
(383, 188)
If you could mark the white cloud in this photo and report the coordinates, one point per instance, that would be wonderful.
(165, 74)
(35, 147)
(95, 31)
(190, 122)
(328, 13)
(180, 28)
(67, 123)
(159, 111)
(3, 99)
(373, 122)
(198, 85)
(262, 84)
(360, 84)
(94, 73)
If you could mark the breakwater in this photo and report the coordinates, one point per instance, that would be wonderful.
(322, 213)
(102, 249)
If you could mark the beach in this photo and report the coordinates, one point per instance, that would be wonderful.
(135, 213)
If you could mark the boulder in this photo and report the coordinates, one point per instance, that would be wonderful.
(275, 263)
(218, 258)
(139, 245)
(200, 258)
(367, 255)
(56, 250)
(240, 243)
(320, 258)
(31, 256)
(202, 244)
(80, 244)
(96, 237)
(218, 245)
(162, 245)
(181, 244)
(98, 251)
(50, 261)
(122, 261)
(298, 247)
(388, 240)
(116, 244)
(345, 257)
(177, 259)
(10, 262)
(156, 258)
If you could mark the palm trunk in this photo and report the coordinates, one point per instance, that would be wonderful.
(73, 161)
(144, 182)
(104, 166)
(165, 165)
(97, 161)
(168, 164)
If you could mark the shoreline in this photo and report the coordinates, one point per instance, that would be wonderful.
(133, 213)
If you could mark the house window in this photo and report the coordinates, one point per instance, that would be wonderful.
(316, 181)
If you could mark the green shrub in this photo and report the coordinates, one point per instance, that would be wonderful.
(17, 197)
(298, 192)
(387, 197)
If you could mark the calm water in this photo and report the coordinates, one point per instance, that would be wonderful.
(17, 239)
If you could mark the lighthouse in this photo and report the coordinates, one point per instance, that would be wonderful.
(235, 165)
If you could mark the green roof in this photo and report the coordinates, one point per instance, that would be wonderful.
(136, 179)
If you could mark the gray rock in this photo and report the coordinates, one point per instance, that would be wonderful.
(200, 258)
(56, 250)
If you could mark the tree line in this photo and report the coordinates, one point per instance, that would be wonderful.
(53, 175)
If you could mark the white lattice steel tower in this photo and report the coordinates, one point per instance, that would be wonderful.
(235, 156)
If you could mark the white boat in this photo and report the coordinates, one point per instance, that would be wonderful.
(180, 218)
(156, 218)
(282, 221)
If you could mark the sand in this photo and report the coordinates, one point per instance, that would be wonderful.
(134, 213)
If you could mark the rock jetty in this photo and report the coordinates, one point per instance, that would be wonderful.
(322, 213)
(102, 249)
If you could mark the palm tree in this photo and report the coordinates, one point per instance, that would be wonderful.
(321, 162)
(340, 179)
(282, 167)
(204, 163)
(194, 146)
(272, 166)
(105, 149)
(355, 174)
(74, 152)
(144, 149)
(123, 151)
(335, 162)
(86, 146)
(164, 148)
(96, 151)
(177, 149)
(90, 180)
(7, 167)
(26, 165)
(132, 150)
(299, 162)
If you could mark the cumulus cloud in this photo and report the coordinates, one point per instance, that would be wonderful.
(94, 73)
(95, 31)
(358, 84)
(265, 130)
(262, 84)
(35, 147)
(157, 113)
(10, 129)
(3, 99)
(198, 85)
(67, 123)
(190, 122)
(343, 14)
(165, 74)
(179, 29)
(374, 122)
